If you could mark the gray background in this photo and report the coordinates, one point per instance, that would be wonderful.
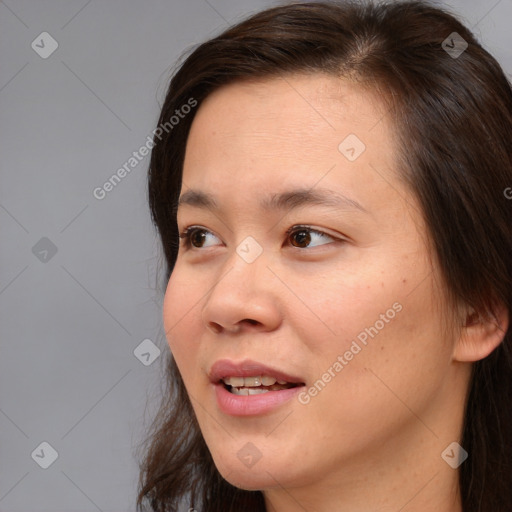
(71, 321)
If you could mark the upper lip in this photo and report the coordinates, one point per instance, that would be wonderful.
(247, 368)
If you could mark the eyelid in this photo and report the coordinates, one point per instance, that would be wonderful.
(298, 227)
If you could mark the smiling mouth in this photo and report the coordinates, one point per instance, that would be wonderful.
(256, 385)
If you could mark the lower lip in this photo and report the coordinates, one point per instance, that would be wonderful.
(243, 405)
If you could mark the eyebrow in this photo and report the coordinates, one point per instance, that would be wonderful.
(287, 200)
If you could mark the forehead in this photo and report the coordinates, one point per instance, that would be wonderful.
(289, 110)
(290, 132)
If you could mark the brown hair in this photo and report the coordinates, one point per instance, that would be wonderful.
(453, 118)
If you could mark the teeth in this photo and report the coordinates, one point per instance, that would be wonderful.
(252, 382)
(240, 391)
(248, 391)
(234, 381)
(256, 391)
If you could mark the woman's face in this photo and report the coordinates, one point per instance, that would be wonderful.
(344, 307)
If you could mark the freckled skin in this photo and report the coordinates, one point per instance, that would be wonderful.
(382, 422)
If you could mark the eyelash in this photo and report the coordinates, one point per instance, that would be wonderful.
(186, 235)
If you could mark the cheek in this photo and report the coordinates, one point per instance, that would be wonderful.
(382, 365)
(377, 331)
(344, 305)
(179, 307)
(371, 292)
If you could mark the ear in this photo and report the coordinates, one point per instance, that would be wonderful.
(480, 335)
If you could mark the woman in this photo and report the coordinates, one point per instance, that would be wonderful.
(338, 237)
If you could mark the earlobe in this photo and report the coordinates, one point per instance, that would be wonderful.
(480, 335)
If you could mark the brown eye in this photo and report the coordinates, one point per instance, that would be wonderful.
(302, 237)
(305, 237)
(197, 237)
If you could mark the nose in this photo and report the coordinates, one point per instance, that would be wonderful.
(244, 297)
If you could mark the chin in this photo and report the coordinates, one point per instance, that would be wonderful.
(249, 479)
(266, 473)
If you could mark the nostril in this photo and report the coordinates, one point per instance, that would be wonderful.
(216, 328)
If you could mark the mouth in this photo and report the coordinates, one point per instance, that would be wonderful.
(249, 388)
(256, 385)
